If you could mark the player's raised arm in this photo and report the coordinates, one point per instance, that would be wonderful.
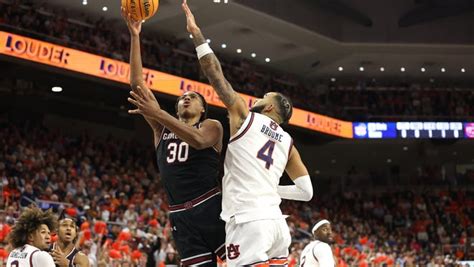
(295, 168)
(213, 71)
(136, 69)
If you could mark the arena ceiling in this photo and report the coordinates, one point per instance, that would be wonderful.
(314, 37)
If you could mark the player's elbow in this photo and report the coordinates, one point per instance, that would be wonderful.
(305, 186)
(308, 194)
(198, 146)
(198, 143)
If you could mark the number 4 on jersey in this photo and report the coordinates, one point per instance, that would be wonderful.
(265, 153)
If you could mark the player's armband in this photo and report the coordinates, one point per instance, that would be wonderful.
(302, 190)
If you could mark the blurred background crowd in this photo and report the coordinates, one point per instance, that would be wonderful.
(112, 187)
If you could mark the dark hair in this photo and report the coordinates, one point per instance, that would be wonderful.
(204, 105)
(285, 107)
(30, 220)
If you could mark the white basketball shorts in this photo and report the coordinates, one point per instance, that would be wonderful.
(261, 242)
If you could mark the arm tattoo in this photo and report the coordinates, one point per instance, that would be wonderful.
(198, 38)
(213, 71)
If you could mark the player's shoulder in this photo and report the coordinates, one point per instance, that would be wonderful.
(40, 254)
(211, 122)
(321, 246)
(81, 257)
(42, 258)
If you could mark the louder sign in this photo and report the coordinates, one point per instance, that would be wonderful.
(37, 51)
(110, 69)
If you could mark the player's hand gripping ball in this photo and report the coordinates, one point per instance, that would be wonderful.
(140, 10)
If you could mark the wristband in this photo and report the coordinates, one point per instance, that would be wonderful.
(203, 50)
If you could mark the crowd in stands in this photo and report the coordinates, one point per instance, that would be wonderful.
(397, 229)
(358, 101)
(113, 190)
(112, 186)
(109, 186)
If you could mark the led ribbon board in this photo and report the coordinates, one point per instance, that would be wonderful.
(413, 130)
(102, 67)
(95, 65)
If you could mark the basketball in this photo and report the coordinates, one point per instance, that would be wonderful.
(141, 9)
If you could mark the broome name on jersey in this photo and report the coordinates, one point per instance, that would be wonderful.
(269, 131)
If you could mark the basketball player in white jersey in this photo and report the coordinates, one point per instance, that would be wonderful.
(258, 152)
(318, 253)
(30, 237)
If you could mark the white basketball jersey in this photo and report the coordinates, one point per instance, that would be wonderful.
(317, 254)
(29, 256)
(256, 158)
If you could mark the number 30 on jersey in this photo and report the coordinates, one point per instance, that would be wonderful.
(177, 152)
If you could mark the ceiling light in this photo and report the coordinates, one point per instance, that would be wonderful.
(333, 79)
(361, 68)
(104, 8)
(84, 2)
(389, 160)
(267, 59)
(423, 69)
(402, 69)
(239, 50)
(340, 69)
(253, 55)
(463, 70)
(57, 89)
(223, 45)
(382, 69)
(443, 70)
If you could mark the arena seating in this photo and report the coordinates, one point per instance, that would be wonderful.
(113, 188)
(356, 100)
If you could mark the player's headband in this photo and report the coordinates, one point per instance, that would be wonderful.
(319, 224)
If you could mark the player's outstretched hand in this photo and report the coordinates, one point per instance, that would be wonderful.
(191, 25)
(134, 26)
(145, 101)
